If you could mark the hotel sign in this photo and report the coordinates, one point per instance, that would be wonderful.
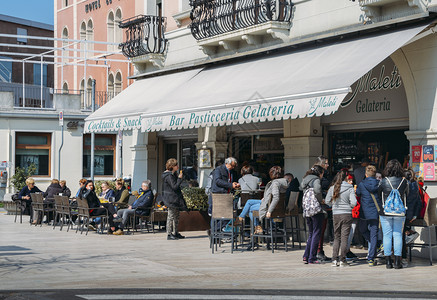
(94, 5)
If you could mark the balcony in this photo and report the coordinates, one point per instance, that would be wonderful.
(227, 22)
(34, 95)
(145, 42)
(383, 10)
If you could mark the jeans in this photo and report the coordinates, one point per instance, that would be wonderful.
(314, 224)
(369, 230)
(251, 206)
(124, 214)
(342, 228)
(392, 233)
(352, 233)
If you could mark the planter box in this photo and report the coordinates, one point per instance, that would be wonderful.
(194, 221)
(10, 207)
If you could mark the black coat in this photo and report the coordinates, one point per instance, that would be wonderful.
(171, 190)
(414, 204)
(91, 198)
(66, 191)
(385, 188)
(220, 180)
(52, 190)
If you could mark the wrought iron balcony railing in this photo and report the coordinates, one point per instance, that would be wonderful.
(144, 35)
(213, 17)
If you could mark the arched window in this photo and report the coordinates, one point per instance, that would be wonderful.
(90, 36)
(65, 88)
(82, 92)
(89, 89)
(111, 30)
(118, 31)
(82, 37)
(65, 36)
(110, 86)
(118, 86)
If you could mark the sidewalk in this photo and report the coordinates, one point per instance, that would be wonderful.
(42, 258)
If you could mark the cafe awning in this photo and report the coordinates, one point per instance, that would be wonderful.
(303, 83)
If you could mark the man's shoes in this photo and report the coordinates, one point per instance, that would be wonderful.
(351, 256)
(179, 236)
(411, 238)
(372, 262)
(118, 232)
(322, 257)
(344, 264)
(172, 237)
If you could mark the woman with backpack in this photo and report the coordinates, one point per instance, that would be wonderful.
(393, 190)
(341, 197)
(312, 200)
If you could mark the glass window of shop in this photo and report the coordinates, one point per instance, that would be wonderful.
(33, 148)
(260, 151)
(104, 155)
(349, 149)
(186, 153)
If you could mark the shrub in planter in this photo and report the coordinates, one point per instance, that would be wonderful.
(18, 180)
(195, 198)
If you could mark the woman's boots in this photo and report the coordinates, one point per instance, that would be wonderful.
(398, 262)
(388, 262)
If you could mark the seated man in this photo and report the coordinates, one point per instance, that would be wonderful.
(142, 206)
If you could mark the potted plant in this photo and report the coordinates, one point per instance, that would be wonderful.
(18, 181)
(196, 217)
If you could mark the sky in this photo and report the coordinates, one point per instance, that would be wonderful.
(34, 10)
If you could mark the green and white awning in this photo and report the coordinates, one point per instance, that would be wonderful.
(303, 83)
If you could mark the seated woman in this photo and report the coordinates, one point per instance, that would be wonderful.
(248, 182)
(82, 183)
(121, 194)
(276, 186)
(65, 190)
(24, 194)
(107, 192)
(97, 208)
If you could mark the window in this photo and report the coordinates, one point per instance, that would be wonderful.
(118, 86)
(118, 31)
(21, 40)
(65, 88)
(111, 85)
(37, 74)
(104, 155)
(82, 37)
(33, 148)
(65, 36)
(111, 32)
(90, 37)
(5, 70)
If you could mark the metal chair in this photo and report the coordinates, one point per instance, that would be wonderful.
(84, 215)
(278, 215)
(222, 212)
(142, 218)
(44, 208)
(429, 223)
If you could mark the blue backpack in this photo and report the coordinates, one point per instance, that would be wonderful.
(394, 205)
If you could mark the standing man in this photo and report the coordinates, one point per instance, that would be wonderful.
(360, 172)
(222, 180)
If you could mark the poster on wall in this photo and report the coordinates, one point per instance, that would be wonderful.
(435, 153)
(428, 153)
(418, 169)
(429, 171)
(416, 153)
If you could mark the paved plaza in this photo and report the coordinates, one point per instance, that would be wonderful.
(34, 258)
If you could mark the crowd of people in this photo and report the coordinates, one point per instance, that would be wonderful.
(381, 206)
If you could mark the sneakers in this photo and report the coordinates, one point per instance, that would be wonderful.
(118, 232)
(335, 263)
(322, 257)
(179, 236)
(350, 256)
(315, 262)
(91, 227)
(411, 238)
(380, 251)
(372, 262)
(305, 260)
(344, 264)
(171, 237)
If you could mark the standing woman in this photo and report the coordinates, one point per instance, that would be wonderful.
(312, 179)
(392, 226)
(341, 197)
(173, 199)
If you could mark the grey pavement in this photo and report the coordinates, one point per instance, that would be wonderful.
(40, 258)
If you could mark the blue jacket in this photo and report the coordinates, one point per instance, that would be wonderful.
(368, 208)
(26, 192)
(220, 180)
(144, 203)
